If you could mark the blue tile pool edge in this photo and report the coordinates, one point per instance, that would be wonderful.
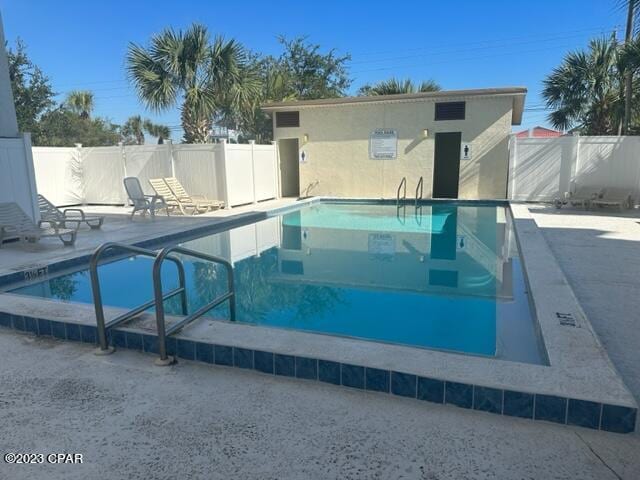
(542, 407)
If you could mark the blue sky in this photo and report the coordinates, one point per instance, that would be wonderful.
(464, 44)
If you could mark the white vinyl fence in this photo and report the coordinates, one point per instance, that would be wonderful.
(542, 169)
(236, 174)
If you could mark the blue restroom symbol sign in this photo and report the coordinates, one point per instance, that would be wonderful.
(304, 156)
(461, 242)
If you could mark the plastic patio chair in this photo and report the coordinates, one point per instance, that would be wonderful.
(48, 211)
(15, 223)
(141, 202)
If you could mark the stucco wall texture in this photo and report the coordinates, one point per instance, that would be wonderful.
(338, 162)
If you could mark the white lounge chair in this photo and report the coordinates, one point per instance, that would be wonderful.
(15, 223)
(614, 197)
(581, 197)
(73, 216)
(186, 205)
(141, 202)
(202, 201)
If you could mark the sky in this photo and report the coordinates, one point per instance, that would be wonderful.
(460, 44)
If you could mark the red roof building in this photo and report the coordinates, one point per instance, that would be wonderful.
(539, 132)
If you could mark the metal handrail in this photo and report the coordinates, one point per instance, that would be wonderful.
(420, 187)
(404, 195)
(157, 287)
(102, 325)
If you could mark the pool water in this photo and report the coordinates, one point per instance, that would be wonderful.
(445, 276)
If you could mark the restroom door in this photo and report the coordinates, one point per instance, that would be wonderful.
(446, 165)
(289, 167)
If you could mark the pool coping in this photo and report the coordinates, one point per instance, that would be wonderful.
(580, 387)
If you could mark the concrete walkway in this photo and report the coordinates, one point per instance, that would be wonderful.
(599, 253)
(132, 420)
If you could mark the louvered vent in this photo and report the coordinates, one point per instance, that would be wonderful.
(287, 119)
(450, 110)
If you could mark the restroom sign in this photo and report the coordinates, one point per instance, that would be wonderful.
(304, 156)
(465, 151)
(383, 144)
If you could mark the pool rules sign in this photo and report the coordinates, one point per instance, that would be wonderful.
(383, 144)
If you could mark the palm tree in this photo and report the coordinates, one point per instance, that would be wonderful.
(161, 132)
(586, 90)
(133, 130)
(394, 86)
(80, 102)
(205, 75)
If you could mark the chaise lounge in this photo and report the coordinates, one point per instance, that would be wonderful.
(15, 223)
(185, 204)
(614, 197)
(179, 191)
(74, 216)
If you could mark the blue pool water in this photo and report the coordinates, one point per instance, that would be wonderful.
(444, 276)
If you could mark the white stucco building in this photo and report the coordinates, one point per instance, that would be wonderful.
(17, 179)
(456, 141)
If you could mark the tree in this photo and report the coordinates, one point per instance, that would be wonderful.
(302, 72)
(306, 74)
(161, 132)
(394, 86)
(80, 102)
(32, 92)
(585, 91)
(186, 64)
(64, 128)
(133, 131)
(633, 10)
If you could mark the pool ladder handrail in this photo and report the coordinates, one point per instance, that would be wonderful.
(419, 188)
(403, 182)
(163, 331)
(101, 323)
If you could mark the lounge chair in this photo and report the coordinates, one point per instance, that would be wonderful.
(179, 191)
(614, 197)
(14, 223)
(581, 197)
(141, 202)
(73, 216)
(186, 205)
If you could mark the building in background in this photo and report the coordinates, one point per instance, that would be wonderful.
(539, 132)
(456, 141)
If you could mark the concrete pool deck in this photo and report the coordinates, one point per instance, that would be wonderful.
(515, 450)
(132, 420)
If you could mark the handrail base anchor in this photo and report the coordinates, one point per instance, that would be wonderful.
(170, 360)
(100, 352)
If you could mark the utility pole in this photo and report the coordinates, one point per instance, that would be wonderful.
(628, 77)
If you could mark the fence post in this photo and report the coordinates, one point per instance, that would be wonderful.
(252, 143)
(80, 168)
(277, 166)
(171, 159)
(225, 177)
(123, 154)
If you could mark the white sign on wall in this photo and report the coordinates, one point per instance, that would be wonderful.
(383, 144)
(465, 151)
(304, 156)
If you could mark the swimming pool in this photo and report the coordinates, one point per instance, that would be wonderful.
(444, 276)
